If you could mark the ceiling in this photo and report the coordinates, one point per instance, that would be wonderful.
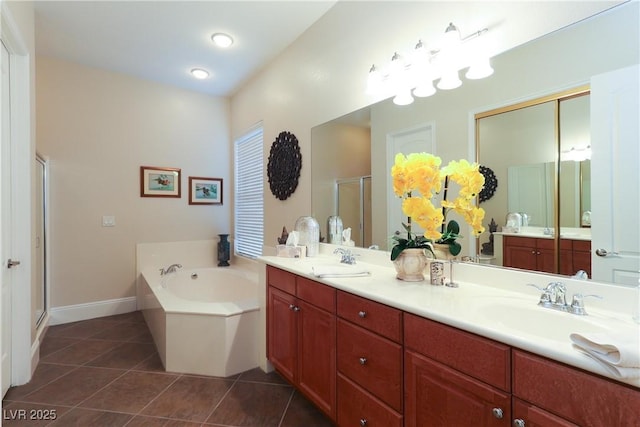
(163, 40)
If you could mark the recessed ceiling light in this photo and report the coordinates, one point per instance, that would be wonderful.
(222, 40)
(199, 73)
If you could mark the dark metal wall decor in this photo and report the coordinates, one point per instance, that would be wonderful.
(490, 184)
(285, 162)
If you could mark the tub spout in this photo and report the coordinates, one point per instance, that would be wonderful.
(171, 269)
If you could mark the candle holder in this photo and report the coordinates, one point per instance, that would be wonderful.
(451, 283)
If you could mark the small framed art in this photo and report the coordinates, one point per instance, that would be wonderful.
(159, 182)
(205, 191)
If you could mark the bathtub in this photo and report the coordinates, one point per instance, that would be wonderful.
(203, 321)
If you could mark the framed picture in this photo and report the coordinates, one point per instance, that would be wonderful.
(159, 182)
(205, 191)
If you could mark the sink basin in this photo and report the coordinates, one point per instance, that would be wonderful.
(536, 320)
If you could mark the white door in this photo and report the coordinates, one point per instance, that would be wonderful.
(5, 229)
(530, 191)
(615, 176)
(415, 140)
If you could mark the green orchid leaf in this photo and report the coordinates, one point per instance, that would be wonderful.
(453, 227)
(396, 251)
(455, 248)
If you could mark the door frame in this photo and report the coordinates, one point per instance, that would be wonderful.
(24, 356)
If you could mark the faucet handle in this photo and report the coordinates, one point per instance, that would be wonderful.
(577, 303)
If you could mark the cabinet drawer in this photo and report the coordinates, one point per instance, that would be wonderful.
(372, 361)
(473, 355)
(580, 397)
(356, 407)
(281, 279)
(320, 295)
(379, 318)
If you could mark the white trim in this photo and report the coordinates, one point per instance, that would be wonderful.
(22, 154)
(91, 310)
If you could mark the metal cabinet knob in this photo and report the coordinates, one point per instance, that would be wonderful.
(363, 422)
(518, 423)
(498, 413)
(362, 314)
(296, 309)
(363, 360)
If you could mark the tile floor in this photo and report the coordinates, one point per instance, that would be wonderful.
(106, 372)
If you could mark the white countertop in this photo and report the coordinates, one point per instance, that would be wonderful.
(538, 232)
(502, 308)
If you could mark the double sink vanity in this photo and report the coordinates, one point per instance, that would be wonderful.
(376, 351)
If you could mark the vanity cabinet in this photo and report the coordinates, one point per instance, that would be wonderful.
(548, 393)
(365, 363)
(537, 254)
(453, 377)
(370, 353)
(529, 253)
(301, 335)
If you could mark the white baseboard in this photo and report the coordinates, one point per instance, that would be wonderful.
(91, 310)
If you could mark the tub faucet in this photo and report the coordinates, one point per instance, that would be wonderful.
(171, 269)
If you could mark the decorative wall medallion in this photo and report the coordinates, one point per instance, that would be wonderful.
(285, 162)
(490, 184)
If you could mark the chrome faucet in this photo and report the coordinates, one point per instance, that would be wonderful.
(554, 296)
(171, 269)
(347, 257)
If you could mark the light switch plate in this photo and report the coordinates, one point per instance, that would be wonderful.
(108, 221)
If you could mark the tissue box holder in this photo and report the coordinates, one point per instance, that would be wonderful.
(291, 251)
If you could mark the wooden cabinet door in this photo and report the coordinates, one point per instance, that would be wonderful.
(532, 416)
(546, 260)
(281, 332)
(520, 256)
(436, 395)
(317, 356)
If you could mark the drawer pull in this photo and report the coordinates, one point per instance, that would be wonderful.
(363, 422)
(362, 314)
(498, 413)
(518, 423)
(363, 360)
(294, 308)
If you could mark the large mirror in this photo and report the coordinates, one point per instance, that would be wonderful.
(357, 144)
(541, 204)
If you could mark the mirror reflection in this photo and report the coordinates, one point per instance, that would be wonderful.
(556, 156)
(540, 202)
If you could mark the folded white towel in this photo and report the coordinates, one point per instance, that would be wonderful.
(341, 270)
(620, 348)
(615, 371)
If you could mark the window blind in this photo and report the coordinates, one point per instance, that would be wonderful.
(249, 196)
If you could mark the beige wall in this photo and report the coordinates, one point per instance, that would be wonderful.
(322, 76)
(97, 128)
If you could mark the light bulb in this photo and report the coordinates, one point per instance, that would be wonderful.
(479, 69)
(449, 80)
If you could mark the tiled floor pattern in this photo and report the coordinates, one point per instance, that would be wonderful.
(107, 372)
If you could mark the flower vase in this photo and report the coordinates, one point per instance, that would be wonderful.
(410, 265)
(224, 250)
(441, 252)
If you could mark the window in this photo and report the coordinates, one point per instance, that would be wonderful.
(249, 201)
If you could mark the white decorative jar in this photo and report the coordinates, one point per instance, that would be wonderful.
(410, 265)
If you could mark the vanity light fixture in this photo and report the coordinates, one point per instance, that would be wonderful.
(423, 66)
(576, 154)
(199, 73)
(222, 40)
